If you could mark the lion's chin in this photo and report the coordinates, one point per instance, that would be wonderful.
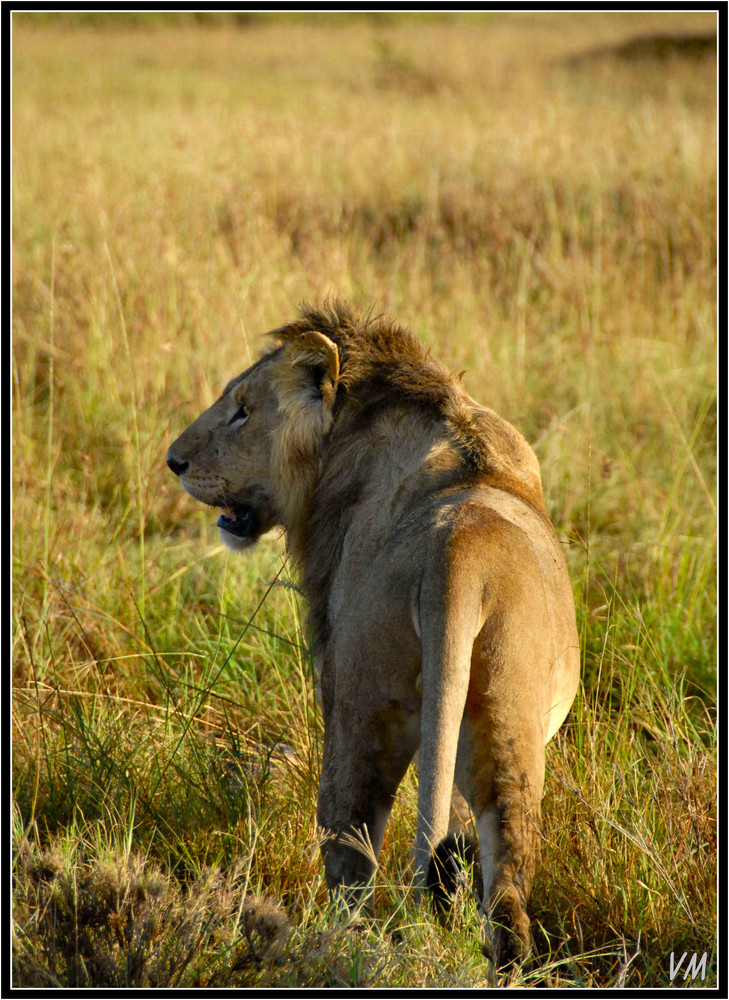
(239, 528)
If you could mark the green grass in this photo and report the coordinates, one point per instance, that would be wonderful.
(545, 223)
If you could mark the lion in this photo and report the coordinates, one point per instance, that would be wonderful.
(441, 612)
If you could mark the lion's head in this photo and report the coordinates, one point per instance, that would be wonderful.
(254, 451)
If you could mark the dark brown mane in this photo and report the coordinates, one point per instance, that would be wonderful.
(370, 345)
(384, 364)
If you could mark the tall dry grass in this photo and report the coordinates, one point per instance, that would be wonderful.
(540, 209)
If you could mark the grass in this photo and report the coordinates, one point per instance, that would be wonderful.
(541, 211)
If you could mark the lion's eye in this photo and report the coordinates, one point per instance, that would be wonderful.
(240, 416)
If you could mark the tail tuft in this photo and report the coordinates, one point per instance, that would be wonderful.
(454, 867)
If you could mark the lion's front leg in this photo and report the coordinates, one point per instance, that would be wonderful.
(366, 755)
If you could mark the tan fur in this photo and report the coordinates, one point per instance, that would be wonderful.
(441, 611)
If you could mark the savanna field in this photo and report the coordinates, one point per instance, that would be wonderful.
(534, 195)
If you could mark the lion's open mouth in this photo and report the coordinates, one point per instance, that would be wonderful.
(241, 522)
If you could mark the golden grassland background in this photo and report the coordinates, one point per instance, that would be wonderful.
(534, 195)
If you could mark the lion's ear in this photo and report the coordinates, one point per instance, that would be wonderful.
(316, 360)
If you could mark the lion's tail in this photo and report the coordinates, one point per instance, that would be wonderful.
(449, 618)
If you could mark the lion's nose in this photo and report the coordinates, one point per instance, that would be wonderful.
(177, 466)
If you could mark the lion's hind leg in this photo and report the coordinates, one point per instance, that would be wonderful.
(513, 856)
(497, 870)
(507, 809)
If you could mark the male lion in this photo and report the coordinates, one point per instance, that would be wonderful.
(441, 612)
